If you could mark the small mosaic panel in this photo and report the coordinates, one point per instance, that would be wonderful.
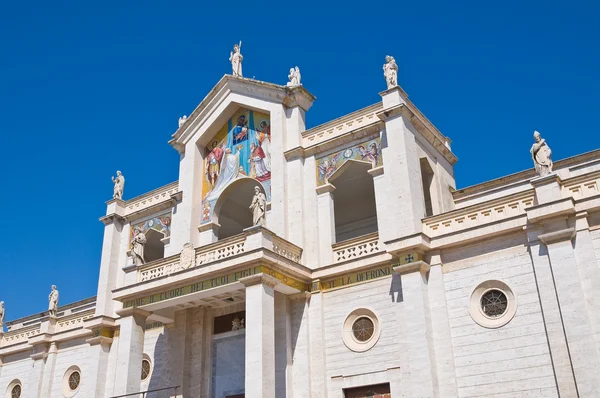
(368, 151)
(160, 223)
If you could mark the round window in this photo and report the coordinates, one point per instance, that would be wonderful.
(16, 391)
(71, 382)
(492, 304)
(145, 369)
(361, 330)
(74, 380)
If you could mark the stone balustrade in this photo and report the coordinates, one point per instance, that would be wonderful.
(250, 240)
(356, 248)
(72, 321)
(478, 215)
(151, 198)
(19, 336)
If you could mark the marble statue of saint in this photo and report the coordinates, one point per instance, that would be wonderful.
(541, 155)
(1, 316)
(236, 59)
(259, 207)
(119, 182)
(137, 246)
(390, 71)
(294, 77)
(53, 301)
(182, 120)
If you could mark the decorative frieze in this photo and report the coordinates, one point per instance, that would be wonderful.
(151, 198)
(72, 321)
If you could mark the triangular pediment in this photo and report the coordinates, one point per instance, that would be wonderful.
(226, 98)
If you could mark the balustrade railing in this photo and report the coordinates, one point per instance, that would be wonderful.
(357, 247)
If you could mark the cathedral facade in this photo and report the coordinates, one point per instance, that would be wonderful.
(338, 261)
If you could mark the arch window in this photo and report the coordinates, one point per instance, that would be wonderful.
(355, 211)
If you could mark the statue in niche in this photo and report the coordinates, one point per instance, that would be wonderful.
(237, 324)
(53, 302)
(541, 155)
(119, 182)
(259, 207)
(236, 59)
(182, 120)
(390, 71)
(187, 258)
(294, 77)
(137, 246)
(1, 316)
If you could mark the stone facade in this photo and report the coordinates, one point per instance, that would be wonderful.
(372, 276)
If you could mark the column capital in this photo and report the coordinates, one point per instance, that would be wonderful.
(100, 340)
(133, 311)
(557, 236)
(420, 266)
(327, 188)
(376, 171)
(300, 296)
(258, 279)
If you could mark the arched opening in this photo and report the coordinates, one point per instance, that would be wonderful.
(154, 248)
(355, 210)
(232, 210)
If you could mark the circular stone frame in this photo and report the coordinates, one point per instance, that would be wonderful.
(476, 309)
(348, 334)
(66, 388)
(11, 386)
(146, 357)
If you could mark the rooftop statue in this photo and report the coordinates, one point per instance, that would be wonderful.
(390, 71)
(119, 182)
(1, 316)
(294, 77)
(182, 120)
(137, 246)
(236, 59)
(53, 302)
(541, 155)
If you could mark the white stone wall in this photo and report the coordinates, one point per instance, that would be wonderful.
(338, 304)
(15, 367)
(73, 353)
(513, 359)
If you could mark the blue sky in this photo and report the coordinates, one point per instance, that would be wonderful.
(87, 88)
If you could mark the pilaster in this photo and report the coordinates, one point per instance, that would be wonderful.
(130, 350)
(574, 310)
(316, 336)
(111, 251)
(48, 377)
(36, 373)
(326, 223)
(98, 362)
(260, 336)
(403, 201)
(416, 348)
(301, 380)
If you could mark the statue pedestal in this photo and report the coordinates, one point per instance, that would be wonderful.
(393, 96)
(547, 188)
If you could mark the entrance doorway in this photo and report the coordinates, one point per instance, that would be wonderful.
(375, 391)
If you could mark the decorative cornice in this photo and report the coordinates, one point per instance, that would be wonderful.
(258, 279)
(557, 236)
(133, 311)
(112, 218)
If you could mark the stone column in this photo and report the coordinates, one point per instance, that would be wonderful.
(384, 223)
(260, 336)
(130, 350)
(111, 252)
(301, 347)
(417, 358)
(574, 311)
(295, 125)
(440, 327)
(36, 373)
(404, 199)
(48, 377)
(316, 339)
(326, 223)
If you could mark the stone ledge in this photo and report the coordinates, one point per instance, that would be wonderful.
(557, 236)
(558, 208)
